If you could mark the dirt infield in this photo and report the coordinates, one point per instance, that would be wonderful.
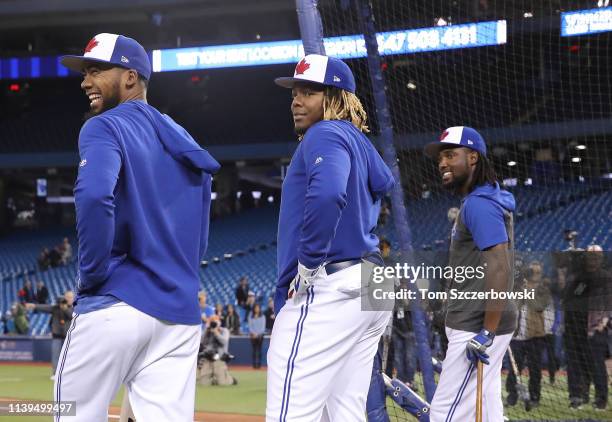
(202, 417)
(220, 417)
(114, 412)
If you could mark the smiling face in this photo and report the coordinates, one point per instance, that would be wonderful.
(102, 85)
(307, 105)
(456, 166)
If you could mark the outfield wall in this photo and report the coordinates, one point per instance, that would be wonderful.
(38, 349)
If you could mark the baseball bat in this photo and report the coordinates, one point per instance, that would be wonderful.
(479, 374)
(522, 389)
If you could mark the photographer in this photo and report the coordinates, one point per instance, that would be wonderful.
(585, 301)
(214, 355)
(16, 320)
(61, 316)
(529, 338)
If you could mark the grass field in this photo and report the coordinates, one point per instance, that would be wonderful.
(32, 382)
(248, 397)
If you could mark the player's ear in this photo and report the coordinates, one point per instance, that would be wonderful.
(473, 158)
(130, 78)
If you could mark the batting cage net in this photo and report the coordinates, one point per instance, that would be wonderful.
(534, 78)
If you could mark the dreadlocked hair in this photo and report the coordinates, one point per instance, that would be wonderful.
(484, 173)
(339, 104)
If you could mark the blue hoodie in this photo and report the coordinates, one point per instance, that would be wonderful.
(482, 214)
(330, 201)
(142, 199)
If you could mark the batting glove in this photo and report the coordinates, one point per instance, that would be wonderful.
(477, 347)
(302, 280)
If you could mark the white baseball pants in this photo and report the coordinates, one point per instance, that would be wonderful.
(118, 345)
(321, 352)
(455, 397)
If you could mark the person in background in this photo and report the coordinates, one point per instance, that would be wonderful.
(389, 260)
(55, 256)
(231, 321)
(42, 293)
(551, 326)
(61, 316)
(43, 260)
(404, 341)
(242, 291)
(206, 311)
(26, 293)
(530, 340)
(214, 355)
(257, 328)
(598, 319)
(66, 251)
(19, 315)
(219, 310)
(248, 306)
(270, 315)
(585, 280)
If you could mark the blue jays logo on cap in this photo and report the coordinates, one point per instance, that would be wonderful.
(324, 70)
(114, 49)
(457, 136)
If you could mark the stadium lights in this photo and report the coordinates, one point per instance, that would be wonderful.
(256, 194)
(607, 176)
(528, 15)
(213, 195)
(441, 22)
(603, 3)
(580, 147)
(576, 159)
(270, 199)
(411, 85)
(511, 163)
(238, 194)
(528, 181)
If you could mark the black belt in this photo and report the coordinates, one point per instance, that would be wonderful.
(334, 267)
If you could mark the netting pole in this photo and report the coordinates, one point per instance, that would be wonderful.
(400, 215)
(311, 27)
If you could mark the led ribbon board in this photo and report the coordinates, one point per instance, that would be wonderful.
(344, 47)
(264, 53)
(582, 22)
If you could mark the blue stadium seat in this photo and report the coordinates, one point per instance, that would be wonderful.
(542, 214)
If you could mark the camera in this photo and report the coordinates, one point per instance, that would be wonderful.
(226, 357)
(213, 325)
(570, 235)
(210, 355)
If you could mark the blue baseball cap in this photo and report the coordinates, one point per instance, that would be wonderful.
(113, 49)
(457, 136)
(324, 70)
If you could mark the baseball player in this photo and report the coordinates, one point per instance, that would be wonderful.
(142, 199)
(482, 236)
(322, 346)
